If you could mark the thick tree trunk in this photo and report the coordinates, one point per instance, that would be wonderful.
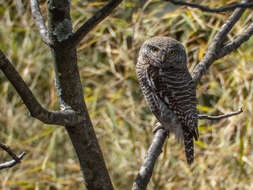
(70, 91)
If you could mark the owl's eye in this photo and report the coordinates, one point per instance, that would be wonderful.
(172, 52)
(154, 50)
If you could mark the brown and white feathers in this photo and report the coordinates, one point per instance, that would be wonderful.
(167, 86)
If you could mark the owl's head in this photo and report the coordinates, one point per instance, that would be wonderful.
(163, 52)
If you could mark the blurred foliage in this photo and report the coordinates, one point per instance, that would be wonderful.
(106, 58)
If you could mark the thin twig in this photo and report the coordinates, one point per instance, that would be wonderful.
(67, 117)
(16, 159)
(92, 22)
(218, 117)
(39, 21)
(147, 167)
(229, 7)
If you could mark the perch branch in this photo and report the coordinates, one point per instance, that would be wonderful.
(39, 21)
(147, 167)
(16, 159)
(91, 23)
(220, 116)
(68, 117)
(213, 51)
(229, 7)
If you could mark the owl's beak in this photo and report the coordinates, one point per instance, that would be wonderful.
(163, 58)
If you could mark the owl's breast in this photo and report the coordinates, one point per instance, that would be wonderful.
(149, 95)
(164, 115)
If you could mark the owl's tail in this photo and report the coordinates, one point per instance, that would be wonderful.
(189, 147)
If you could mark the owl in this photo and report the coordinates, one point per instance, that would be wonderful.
(169, 89)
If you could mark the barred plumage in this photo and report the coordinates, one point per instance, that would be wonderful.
(167, 86)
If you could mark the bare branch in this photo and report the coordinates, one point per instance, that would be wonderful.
(67, 117)
(93, 22)
(39, 21)
(147, 167)
(237, 42)
(229, 7)
(220, 116)
(213, 51)
(16, 159)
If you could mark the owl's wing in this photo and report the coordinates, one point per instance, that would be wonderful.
(150, 76)
(178, 94)
(150, 94)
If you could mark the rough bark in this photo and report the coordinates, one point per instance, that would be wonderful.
(71, 95)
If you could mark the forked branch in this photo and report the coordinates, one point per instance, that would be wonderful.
(92, 22)
(217, 45)
(236, 43)
(16, 159)
(67, 117)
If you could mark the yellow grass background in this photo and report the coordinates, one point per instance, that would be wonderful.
(122, 121)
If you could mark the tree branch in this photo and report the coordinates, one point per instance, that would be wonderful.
(39, 21)
(67, 117)
(16, 159)
(91, 23)
(237, 42)
(220, 116)
(229, 7)
(213, 51)
(147, 167)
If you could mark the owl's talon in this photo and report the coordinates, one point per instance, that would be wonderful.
(159, 126)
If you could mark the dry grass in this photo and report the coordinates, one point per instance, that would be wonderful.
(107, 57)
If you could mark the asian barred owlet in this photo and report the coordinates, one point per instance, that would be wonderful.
(168, 88)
